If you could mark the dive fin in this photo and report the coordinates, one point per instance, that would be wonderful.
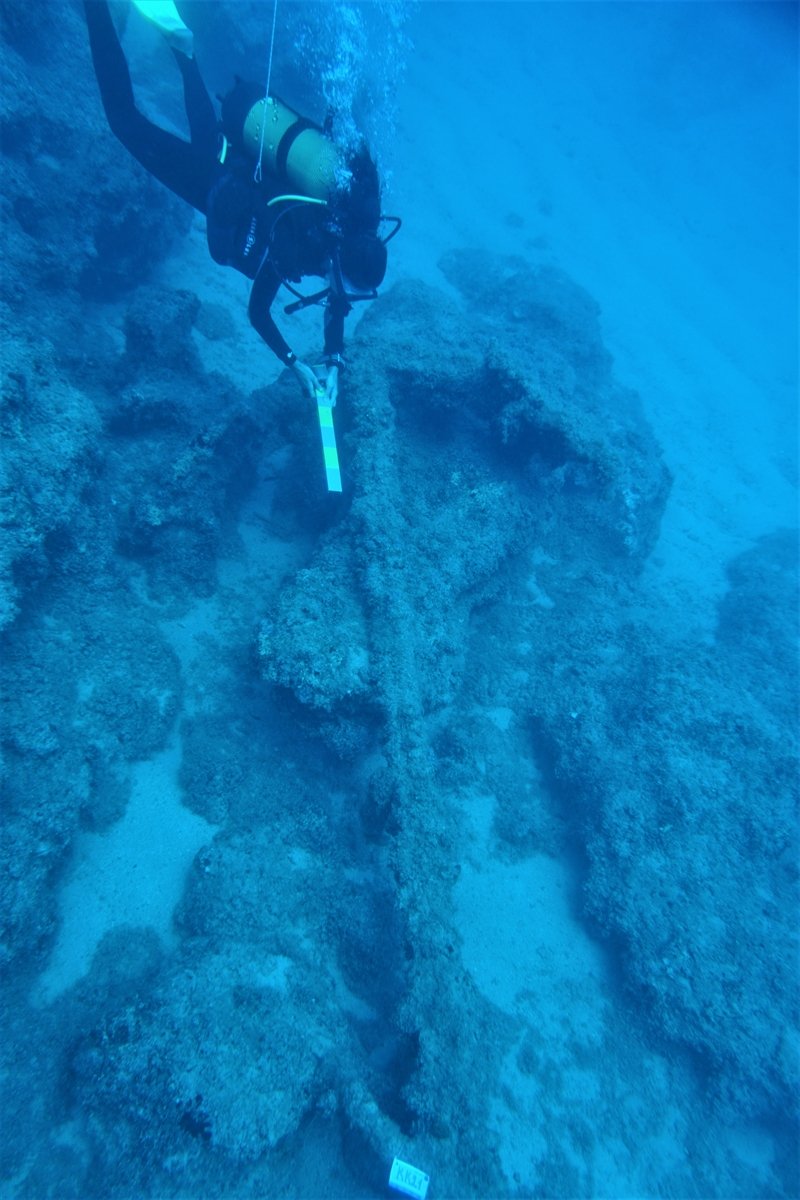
(165, 16)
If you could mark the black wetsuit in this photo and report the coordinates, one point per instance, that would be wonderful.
(268, 245)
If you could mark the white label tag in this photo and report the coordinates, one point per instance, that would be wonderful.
(405, 1178)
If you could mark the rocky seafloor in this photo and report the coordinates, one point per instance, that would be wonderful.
(459, 639)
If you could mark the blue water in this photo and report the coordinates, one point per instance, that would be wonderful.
(453, 819)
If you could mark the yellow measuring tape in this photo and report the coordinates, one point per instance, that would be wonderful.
(329, 452)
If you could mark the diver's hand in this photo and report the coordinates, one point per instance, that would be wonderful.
(306, 378)
(332, 385)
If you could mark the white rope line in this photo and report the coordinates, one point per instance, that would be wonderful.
(257, 172)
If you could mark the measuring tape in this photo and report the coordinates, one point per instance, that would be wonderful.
(330, 454)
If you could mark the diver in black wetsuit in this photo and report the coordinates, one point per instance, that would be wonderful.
(270, 244)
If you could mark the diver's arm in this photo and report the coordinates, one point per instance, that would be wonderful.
(263, 293)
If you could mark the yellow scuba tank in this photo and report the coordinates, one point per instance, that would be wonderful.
(296, 152)
(292, 148)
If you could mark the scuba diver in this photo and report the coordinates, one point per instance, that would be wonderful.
(304, 210)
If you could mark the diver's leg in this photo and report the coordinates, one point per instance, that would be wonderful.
(110, 67)
(181, 167)
(203, 124)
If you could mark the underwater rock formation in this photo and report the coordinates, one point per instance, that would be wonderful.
(49, 430)
(472, 436)
(465, 476)
(87, 692)
(503, 482)
(464, 617)
(64, 232)
(66, 240)
(681, 764)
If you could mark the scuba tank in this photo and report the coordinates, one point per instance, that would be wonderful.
(303, 162)
(296, 151)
